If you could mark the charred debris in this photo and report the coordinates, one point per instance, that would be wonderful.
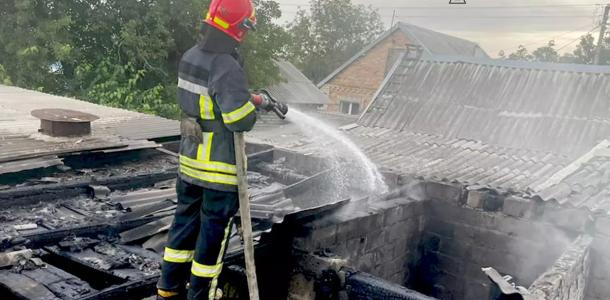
(91, 222)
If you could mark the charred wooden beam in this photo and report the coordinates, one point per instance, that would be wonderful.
(98, 279)
(41, 193)
(15, 286)
(40, 239)
(130, 290)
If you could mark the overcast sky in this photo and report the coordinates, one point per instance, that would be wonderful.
(494, 24)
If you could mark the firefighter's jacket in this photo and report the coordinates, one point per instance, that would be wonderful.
(213, 93)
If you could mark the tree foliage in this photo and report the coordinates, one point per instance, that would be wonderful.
(584, 53)
(330, 33)
(120, 53)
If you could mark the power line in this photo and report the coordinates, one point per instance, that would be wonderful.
(465, 7)
(555, 37)
(573, 41)
(497, 17)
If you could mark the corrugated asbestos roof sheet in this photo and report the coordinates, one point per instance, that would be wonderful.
(456, 160)
(542, 107)
(295, 88)
(431, 42)
(584, 183)
(436, 43)
(16, 105)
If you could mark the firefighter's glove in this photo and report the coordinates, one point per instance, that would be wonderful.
(263, 101)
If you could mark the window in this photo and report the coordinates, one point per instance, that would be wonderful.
(350, 108)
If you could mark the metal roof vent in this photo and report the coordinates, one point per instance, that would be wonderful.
(64, 122)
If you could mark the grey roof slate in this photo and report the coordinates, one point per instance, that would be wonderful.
(542, 107)
(584, 183)
(534, 128)
(431, 42)
(16, 105)
(456, 160)
(295, 88)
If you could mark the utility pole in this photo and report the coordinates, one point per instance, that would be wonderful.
(602, 34)
(393, 18)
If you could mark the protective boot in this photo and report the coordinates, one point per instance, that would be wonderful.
(167, 295)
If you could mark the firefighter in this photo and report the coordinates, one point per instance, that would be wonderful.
(214, 97)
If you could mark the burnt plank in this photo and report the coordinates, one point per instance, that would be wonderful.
(60, 282)
(145, 211)
(40, 239)
(23, 196)
(139, 289)
(18, 286)
(98, 279)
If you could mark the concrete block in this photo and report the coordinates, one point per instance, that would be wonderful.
(327, 234)
(365, 262)
(431, 242)
(388, 250)
(444, 192)
(476, 199)
(441, 228)
(393, 215)
(374, 240)
(573, 219)
(456, 247)
(492, 239)
(403, 246)
(518, 207)
(412, 210)
(493, 202)
(451, 264)
(355, 247)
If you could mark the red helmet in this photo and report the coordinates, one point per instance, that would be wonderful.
(233, 17)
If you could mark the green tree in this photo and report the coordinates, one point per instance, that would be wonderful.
(521, 54)
(120, 53)
(584, 53)
(330, 33)
(546, 53)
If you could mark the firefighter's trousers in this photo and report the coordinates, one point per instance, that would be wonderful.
(198, 240)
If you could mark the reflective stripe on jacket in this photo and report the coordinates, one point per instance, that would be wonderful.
(213, 90)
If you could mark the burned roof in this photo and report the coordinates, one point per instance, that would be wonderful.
(553, 108)
(431, 42)
(295, 88)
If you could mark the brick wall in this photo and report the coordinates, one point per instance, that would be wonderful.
(362, 79)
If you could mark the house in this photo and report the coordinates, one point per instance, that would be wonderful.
(296, 90)
(352, 86)
(518, 139)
